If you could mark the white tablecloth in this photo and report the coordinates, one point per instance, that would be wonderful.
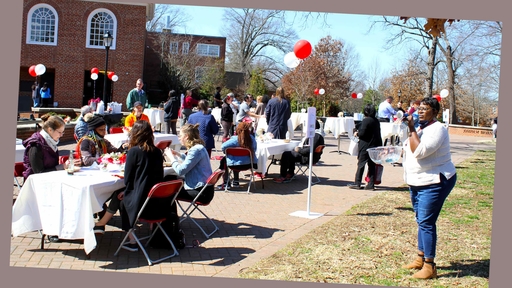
(20, 150)
(299, 118)
(339, 125)
(262, 123)
(156, 116)
(389, 129)
(63, 205)
(119, 138)
(274, 147)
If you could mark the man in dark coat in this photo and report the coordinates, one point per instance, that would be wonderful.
(278, 112)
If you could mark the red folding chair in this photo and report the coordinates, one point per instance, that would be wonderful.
(163, 144)
(239, 151)
(115, 130)
(194, 204)
(302, 168)
(18, 172)
(169, 189)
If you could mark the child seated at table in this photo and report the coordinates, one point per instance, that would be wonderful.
(245, 139)
(92, 145)
(299, 154)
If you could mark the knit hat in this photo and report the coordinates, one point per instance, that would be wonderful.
(95, 122)
(138, 103)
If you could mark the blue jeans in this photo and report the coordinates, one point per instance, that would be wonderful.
(427, 202)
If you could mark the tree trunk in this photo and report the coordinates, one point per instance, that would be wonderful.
(451, 83)
(431, 66)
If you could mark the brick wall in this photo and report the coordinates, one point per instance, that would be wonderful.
(484, 132)
(70, 58)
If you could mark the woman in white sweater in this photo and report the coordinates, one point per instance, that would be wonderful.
(431, 176)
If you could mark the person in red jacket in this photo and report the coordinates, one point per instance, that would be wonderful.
(188, 104)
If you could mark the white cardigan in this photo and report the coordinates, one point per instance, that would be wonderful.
(432, 156)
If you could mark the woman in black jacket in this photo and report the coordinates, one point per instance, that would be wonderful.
(369, 137)
(226, 117)
(143, 169)
(171, 108)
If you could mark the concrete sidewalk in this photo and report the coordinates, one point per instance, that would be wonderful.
(252, 226)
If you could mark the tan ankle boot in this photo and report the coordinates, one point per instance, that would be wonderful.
(428, 271)
(416, 264)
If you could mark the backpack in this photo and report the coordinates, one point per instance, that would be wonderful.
(171, 226)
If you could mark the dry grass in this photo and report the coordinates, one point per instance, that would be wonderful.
(370, 243)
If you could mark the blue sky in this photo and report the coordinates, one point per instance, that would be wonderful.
(351, 28)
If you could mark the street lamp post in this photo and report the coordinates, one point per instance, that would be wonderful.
(107, 42)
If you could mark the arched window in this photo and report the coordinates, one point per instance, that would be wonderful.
(42, 25)
(99, 22)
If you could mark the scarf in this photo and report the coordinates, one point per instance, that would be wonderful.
(98, 141)
(49, 140)
(425, 123)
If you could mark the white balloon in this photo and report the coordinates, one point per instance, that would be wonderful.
(114, 78)
(359, 95)
(94, 76)
(444, 93)
(40, 69)
(290, 60)
(321, 91)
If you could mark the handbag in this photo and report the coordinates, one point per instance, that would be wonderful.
(377, 178)
(353, 148)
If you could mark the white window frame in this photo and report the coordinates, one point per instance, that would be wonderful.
(112, 30)
(198, 73)
(207, 47)
(185, 47)
(174, 47)
(29, 25)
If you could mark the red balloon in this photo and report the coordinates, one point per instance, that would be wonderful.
(354, 95)
(95, 71)
(438, 97)
(32, 71)
(110, 74)
(317, 91)
(302, 49)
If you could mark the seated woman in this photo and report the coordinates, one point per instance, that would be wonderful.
(244, 139)
(91, 146)
(143, 169)
(136, 115)
(41, 151)
(299, 154)
(195, 165)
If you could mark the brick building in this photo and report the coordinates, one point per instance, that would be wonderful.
(195, 50)
(66, 37)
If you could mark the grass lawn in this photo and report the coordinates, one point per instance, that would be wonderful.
(370, 243)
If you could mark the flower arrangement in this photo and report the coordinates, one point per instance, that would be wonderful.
(261, 136)
(115, 159)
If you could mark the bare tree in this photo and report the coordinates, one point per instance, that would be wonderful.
(166, 17)
(412, 30)
(186, 69)
(253, 35)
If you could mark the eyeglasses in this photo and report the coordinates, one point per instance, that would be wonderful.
(424, 108)
(60, 132)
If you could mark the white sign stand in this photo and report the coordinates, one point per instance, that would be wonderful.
(311, 135)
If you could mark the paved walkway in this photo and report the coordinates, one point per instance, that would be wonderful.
(252, 226)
